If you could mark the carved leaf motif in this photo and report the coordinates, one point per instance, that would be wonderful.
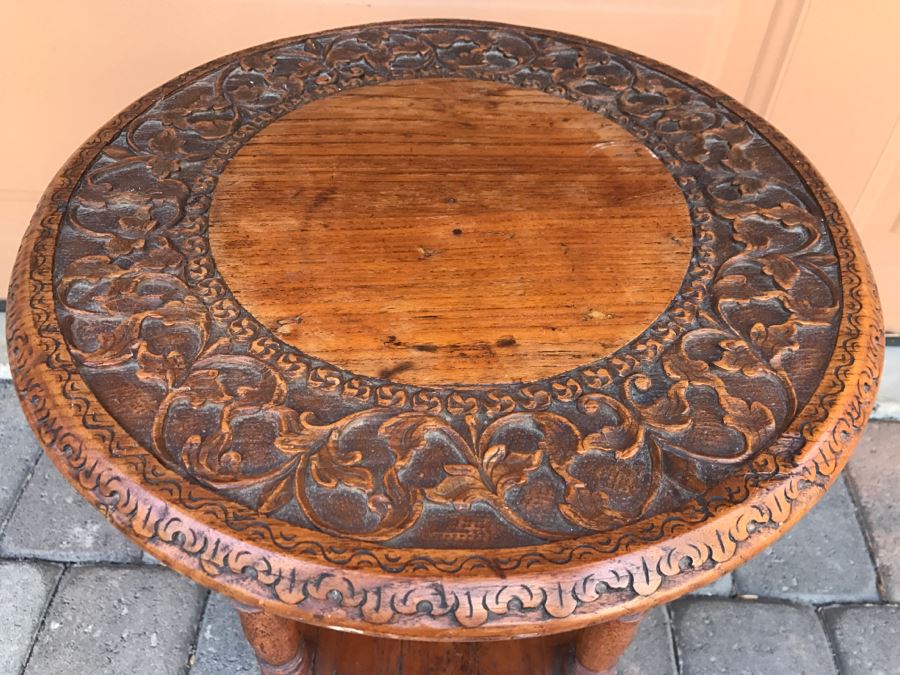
(755, 421)
(748, 232)
(236, 426)
(774, 341)
(538, 435)
(332, 465)
(792, 215)
(623, 435)
(304, 440)
(494, 454)
(138, 224)
(279, 494)
(737, 357)
(410, 434)
(670, 413)
(509, 469)
(781, 268)
(209, 116)
(169, 149)
(211, 458)
(501, 466)
(263, 62)
(462, 487)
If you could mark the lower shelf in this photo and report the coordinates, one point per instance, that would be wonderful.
(337, 653)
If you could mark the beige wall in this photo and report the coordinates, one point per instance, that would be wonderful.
(824, 71)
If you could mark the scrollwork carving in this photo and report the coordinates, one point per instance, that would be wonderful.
(710, 384)
(225, 448)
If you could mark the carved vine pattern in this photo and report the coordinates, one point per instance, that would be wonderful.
(698, 394)
(86, 443)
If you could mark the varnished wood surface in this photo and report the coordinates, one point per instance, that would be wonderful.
(336, 653)
(592, 651)
(278, 643)
(450, 231)
(442, 513)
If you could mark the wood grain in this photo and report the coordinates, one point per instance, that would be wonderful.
(591, 651)
(450, 231)
(451, 514)
(351, 654)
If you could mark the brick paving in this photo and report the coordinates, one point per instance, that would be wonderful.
(118, 619)
(76, 597)
(874, 474)
(721, 635)
(866, 637)
(822, 559)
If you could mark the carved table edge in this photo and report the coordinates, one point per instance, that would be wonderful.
(442, 606)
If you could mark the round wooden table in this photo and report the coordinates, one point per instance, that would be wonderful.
(446, 346)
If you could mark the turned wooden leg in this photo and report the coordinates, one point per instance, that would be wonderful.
(598, 648)
(278, 642)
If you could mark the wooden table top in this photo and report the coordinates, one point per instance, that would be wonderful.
(444, 330)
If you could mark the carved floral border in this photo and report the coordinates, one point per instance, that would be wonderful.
(110, 469)
(139, 220)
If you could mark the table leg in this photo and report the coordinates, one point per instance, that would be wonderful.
(598, 648)
(278, 642)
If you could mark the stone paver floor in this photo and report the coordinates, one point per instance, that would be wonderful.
(77, 598)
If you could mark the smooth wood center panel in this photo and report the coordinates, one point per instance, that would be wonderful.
(450, 231)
